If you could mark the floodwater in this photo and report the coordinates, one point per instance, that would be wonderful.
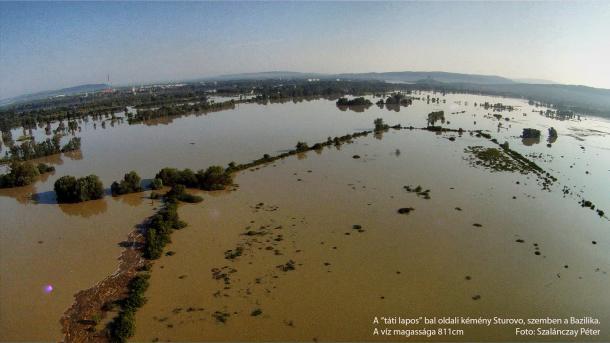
(417, 262)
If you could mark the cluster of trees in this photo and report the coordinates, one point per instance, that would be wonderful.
(380, 125)
(435, 116)
(211, 179)
(177, 110)
(129, 184)
(69, 189)
(285, 89)
(29, 113)
(30, 149)
(160, 227)
(360, 101)
(530, 133)
(178, 192)
(123, 325)
(23, 174)
(397, 99)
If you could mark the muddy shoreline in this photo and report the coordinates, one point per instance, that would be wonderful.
(80, 320)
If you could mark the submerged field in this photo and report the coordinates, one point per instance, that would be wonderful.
(322, 245)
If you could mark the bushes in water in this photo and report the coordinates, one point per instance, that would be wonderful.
(44, 168)
(360, 101)
(433, 117)
(213, 178)
(380, 125)
(123, 326)
(179, 193)
(156, 184)
(70, 189)
(29, 149)
(530, 133)
(302, 146)
(22, 174)
(129, 184)
(73, 144)
(160, 227)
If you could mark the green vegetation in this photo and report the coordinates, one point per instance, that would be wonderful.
(211, 179)
(491, 158)
(156, 184)
(178, 192)
(29, 149)
(160, 227)
(360, 101)
(123, 325)
(433, 117)
(380, 125)
(398, 99)
(70, 189)
(129, 184)
(302, 146)
(23, 174)
(44, 168)
(182, 109)
(530, 133)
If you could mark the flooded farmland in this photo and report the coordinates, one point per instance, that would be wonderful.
(323, 248)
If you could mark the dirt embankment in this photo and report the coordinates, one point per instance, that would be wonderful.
(80, 321)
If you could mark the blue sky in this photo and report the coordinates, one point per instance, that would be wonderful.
(52, 45)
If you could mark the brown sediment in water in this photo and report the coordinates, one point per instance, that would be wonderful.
(90, 305)
(79, 321)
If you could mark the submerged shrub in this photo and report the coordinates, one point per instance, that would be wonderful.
(213, 178)
(69, 189)
(44, 168)
(156, 184)
(129, 184)
(179, 193)
(122, 326)
(20, 174)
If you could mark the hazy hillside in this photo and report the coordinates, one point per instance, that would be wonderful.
(413, 76)
(58, 92)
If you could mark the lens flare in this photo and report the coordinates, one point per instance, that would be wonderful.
(48, 289)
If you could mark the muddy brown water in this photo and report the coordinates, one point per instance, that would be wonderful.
(434, 248)
(401, 265)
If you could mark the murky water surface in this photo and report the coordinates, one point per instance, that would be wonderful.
(432, 261)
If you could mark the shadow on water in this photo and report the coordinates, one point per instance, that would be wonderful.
(85, 209)
(133, 199)
(530, 141)
(45, 198)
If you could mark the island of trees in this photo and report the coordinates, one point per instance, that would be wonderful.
(23, 174)
(129, 184)
(69, 189)
(29, 149)
(359, 101)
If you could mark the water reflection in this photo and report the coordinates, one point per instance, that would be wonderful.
(135, 199)
(85, 209)
(355, 108)
(530, 141)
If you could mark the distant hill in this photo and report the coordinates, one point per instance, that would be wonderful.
(536, 81)
(400, 76)
(581, 99)
(53, 93)
(268, 75)
(415, 76)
